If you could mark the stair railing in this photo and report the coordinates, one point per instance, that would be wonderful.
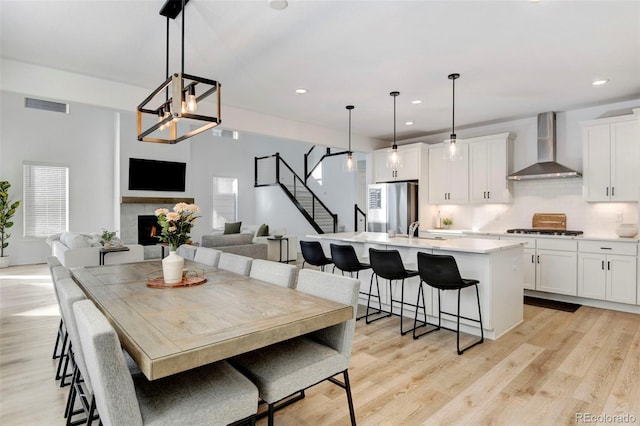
(278, 172)
(358, 211)
(307, 172)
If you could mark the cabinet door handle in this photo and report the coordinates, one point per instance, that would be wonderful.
(605, 248)
(488, 194)
(603, 265)
(613, 191)
(532, 261)
(607, 191)
(538, 257)
(608, 265)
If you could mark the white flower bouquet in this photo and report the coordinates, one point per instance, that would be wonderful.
(177, 224)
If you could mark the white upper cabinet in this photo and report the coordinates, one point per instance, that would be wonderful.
(611, 158)
(410, 164)
(448, 180)
(488, 169)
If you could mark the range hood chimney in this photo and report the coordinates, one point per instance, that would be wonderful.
(546, 167)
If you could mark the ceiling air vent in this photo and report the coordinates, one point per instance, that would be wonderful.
(46, 105)
(223, 133)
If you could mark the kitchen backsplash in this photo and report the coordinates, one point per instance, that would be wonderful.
(541, 196)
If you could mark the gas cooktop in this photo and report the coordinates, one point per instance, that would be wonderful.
(541, 231)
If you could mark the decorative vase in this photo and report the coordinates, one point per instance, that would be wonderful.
(4, 262)
(172, 268)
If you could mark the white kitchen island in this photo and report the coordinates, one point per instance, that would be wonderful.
(498, 265)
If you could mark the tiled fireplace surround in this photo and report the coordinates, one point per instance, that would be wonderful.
(132, 207)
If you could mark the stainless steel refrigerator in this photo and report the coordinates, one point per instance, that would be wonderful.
(392, 207)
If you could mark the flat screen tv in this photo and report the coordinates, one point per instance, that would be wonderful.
(155, 175)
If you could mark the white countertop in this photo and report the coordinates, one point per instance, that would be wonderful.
(479, 234)
(468, 245)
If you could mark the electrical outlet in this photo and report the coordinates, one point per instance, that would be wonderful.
(619, 217)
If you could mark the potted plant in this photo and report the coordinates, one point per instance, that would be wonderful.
(7, 210)
(447, 222)
(107, 236)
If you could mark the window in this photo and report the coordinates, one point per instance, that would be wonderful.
(225, 201)
(46, 199)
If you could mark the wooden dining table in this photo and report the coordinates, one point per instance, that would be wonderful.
(170, 330)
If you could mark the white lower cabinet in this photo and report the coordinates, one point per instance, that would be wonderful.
(605, 276)
(556, 271)
(549, 264)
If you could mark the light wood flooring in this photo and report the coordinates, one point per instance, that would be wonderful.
(553, 366)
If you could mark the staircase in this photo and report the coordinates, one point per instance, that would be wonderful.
(273, 170)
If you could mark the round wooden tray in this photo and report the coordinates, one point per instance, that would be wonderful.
(186, 282)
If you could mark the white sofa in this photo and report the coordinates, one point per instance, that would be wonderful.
(76, 249)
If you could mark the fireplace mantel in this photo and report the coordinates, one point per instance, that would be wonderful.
(156, 200)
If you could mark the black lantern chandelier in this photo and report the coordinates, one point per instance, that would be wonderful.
(393, 159)
(349, 165)
(451, 146)
(180, 112)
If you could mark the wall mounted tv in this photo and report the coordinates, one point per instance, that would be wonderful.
(155, 175)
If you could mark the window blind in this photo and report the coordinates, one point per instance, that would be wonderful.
(45, 200)
(225, 201)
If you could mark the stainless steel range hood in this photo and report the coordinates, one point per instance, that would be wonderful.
(546, 167)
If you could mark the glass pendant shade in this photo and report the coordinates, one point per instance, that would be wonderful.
(452, 149)
(394, 160)
(349, 162)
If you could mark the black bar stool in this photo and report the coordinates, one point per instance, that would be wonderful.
(441, 272)
(313, 254)
(345, 259)
(388, 265)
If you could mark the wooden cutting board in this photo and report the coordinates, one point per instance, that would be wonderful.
(549, 221)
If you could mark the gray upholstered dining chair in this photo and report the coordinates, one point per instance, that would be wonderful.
(235, 263)
(70, 293)
(187, 251)
(58, 273)
(52, 262)
(274, 272)
(207, 255)
(292, 366)
(215, 394)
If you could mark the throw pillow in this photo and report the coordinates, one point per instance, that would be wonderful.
(232, 228)
(263, 231)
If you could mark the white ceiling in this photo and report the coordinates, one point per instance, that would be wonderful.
(516, 58)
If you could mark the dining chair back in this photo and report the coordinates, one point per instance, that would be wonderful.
(313, 254)
(290, 367)
(70, 293)
(187, 251)
(441, 272)
(235, 263)
(61, 347)
(53, 261)
(214, 394)
(208, 256)
(277, 273)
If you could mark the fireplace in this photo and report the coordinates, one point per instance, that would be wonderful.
(148, 230)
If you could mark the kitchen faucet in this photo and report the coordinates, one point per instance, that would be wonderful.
(412, 228)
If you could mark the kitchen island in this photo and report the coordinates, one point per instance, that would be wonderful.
(498, 265)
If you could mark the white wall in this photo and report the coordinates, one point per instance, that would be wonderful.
(83, 140)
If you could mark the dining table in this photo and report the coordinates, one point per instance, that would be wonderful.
(171, 330)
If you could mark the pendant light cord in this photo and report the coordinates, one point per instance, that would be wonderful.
(349, 130)
(182, 65)
(453, 110)
(166, 68)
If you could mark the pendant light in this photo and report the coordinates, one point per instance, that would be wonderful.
(393, 159)
(452, 150)
(179, 97)
(349, 164)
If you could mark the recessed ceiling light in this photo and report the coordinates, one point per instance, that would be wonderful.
(278, 4)
(600, 82)
(301, 91)
(409, 123)
(416, 102)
